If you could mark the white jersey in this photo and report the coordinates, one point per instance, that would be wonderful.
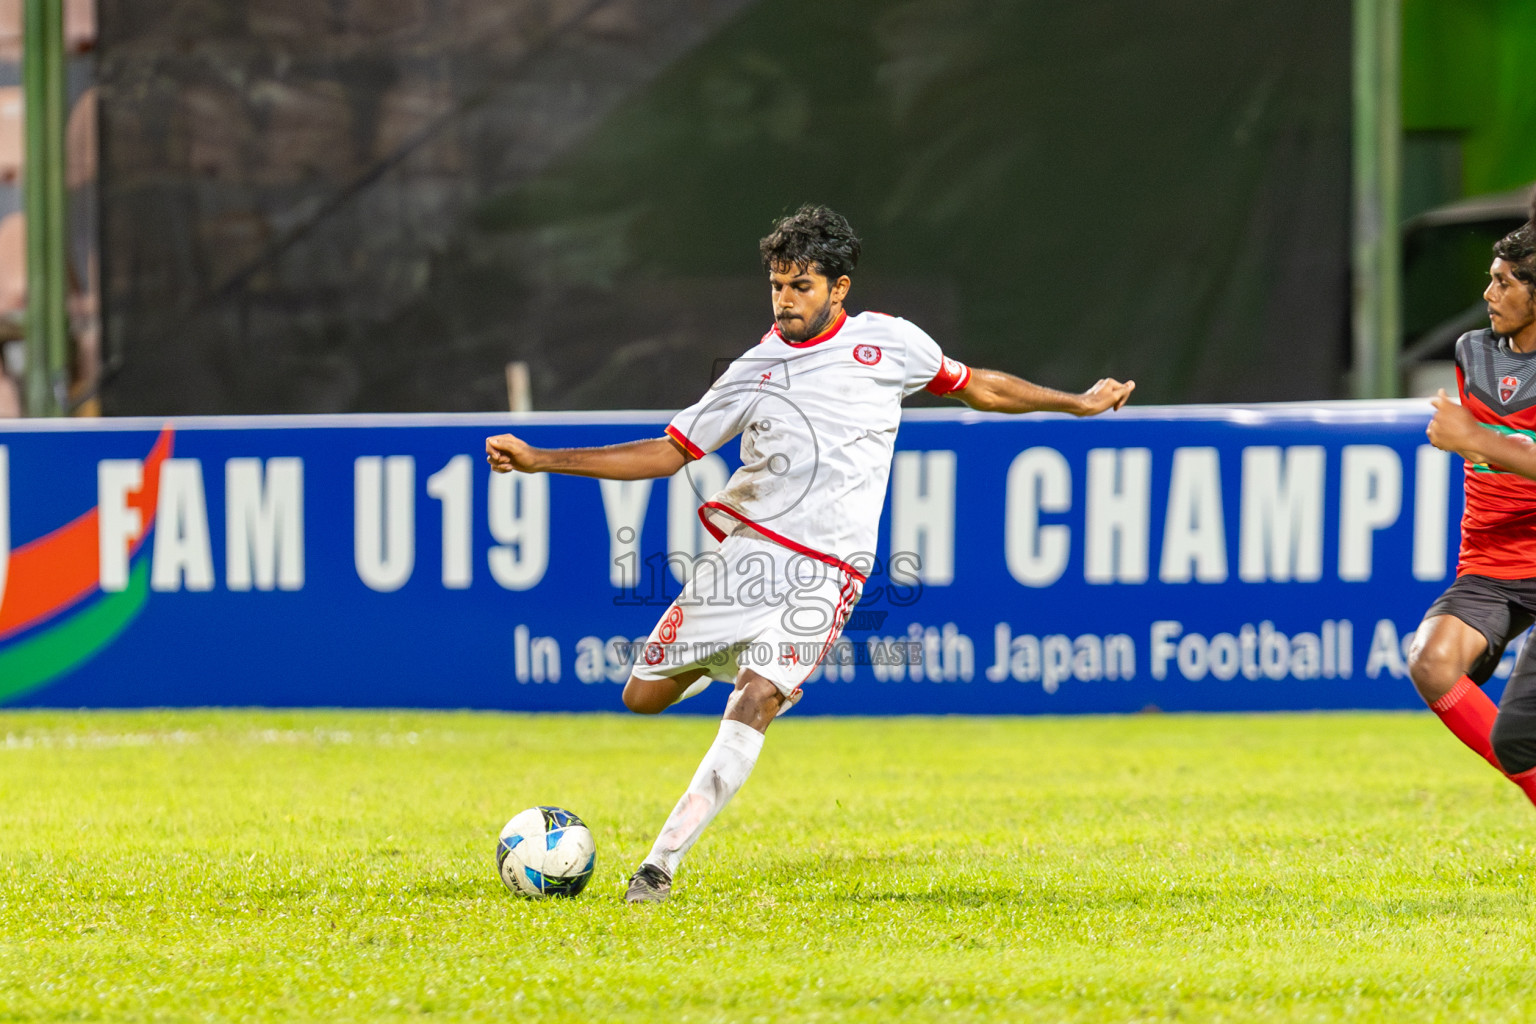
(818, 424)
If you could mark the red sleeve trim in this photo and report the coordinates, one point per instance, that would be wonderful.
(777, 538)
(688, 446)
(952, 376)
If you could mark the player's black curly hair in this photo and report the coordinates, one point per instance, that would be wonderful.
(813, 237)
(1518, 249)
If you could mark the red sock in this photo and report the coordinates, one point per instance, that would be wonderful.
(1526, 780)
(1469, 714)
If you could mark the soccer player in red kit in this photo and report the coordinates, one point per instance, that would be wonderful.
(1493, 599)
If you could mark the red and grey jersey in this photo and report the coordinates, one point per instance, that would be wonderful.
(1498, 528)
(818, 423)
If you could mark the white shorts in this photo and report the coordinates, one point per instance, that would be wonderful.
(752, 605)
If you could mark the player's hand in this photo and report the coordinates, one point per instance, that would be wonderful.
(506, 452)
(1106, 394)
(1448, 425)
(1454, 429)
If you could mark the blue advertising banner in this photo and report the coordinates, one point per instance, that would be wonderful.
(1192, 558)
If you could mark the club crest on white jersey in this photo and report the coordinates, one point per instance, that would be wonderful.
(817, 421)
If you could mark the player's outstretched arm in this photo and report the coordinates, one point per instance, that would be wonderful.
(995, 391)
(633, 460)
(1457, 430)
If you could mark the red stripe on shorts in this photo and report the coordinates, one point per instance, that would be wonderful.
(780, 539)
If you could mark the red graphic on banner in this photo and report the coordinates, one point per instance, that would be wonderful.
(60, 568)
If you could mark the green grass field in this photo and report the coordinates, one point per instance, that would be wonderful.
(333, 866)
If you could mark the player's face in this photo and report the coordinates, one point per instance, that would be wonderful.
(1511, 302)
(805, 302)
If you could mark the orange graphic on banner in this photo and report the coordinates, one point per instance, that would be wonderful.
(57, 569)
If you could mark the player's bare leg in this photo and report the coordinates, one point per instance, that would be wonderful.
(752, 708)
(1444, 649)
(653, 696)
(1443, 652)
(756, 702)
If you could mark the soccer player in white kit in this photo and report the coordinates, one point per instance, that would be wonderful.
(817, 404)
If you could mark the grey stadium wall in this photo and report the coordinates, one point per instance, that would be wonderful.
(375, 205)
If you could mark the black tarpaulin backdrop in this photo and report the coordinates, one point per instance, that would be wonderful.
(374, 205)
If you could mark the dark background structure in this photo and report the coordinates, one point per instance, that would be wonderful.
(374, 205)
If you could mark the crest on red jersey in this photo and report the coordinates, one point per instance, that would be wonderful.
(869, 355)
(1507, 388)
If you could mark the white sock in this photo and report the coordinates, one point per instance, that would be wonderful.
(723, 771)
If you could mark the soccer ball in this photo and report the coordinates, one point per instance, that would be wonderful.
(546, 851)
